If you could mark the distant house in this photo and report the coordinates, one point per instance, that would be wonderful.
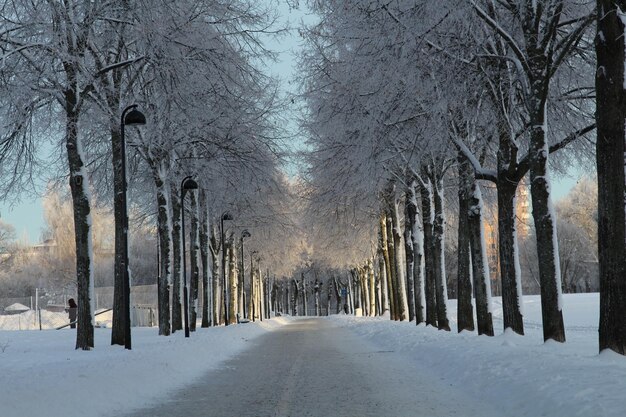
(44, 247)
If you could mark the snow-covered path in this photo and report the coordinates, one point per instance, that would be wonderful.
(311, 367)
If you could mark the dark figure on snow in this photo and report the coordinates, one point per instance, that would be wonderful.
(73, 311)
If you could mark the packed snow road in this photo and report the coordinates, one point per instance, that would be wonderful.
(312, 368)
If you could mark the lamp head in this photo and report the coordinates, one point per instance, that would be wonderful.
(227, 216)
(190, 184)
(134, 118)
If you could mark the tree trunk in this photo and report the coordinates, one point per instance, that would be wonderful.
(543, 214)
(194, 249)
(383, 305)
(400, 258)
(165, 244)
(82, 225)
(480, 267)
(216, 289)
(385, 250)
(438, 238)
(394, 268)
(610, 119)
(465, 312)
(177, 318)
(295, 297)
(509, 256)
(232, 283)
(429, 249)
(547, 248)
(204, 254)
(417, 236)
(337, 294)
(410, 262)
(305, 307)
(363, 287)
(119, 267)
(372, 288)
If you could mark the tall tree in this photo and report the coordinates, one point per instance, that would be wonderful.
(611, 118)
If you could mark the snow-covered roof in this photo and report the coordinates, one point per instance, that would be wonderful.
(16, 307)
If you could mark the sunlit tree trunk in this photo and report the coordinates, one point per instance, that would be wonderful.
(384, 241)
(400, 261)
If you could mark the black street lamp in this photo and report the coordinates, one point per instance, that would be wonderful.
(130, 117)
(186, 185)
(225, 216)
(244, 234)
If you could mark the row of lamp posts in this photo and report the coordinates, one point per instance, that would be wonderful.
(133, 117)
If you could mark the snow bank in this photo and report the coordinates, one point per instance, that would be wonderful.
(520, 374)
(42, 374)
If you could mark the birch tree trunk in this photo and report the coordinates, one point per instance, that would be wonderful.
(610, 119)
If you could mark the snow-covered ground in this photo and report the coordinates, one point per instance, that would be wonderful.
(41, 373)
(520, 374)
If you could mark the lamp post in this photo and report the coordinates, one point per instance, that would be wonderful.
(186, 185)
(225, 216)
(130, 117)
(252, 293)
(244, 234)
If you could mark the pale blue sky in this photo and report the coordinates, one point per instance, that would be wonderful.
(27, 217)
